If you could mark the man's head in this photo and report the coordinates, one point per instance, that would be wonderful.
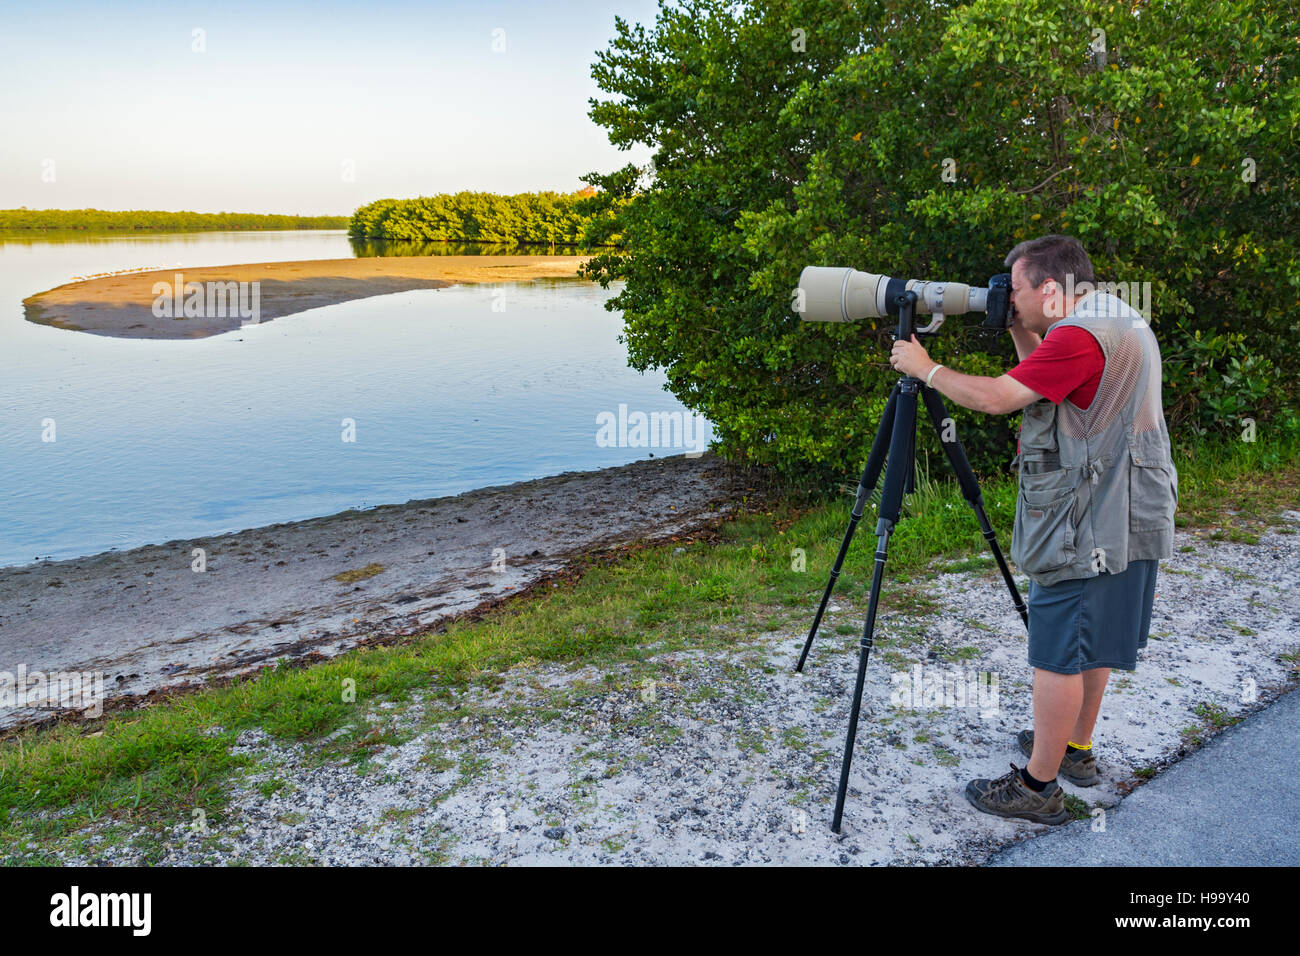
(1041, 272)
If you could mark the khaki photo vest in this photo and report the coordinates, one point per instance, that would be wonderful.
(1097, 486)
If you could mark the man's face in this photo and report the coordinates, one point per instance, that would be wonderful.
(1030, 301)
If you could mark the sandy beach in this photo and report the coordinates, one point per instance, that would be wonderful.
(148, 622)
(122, 306)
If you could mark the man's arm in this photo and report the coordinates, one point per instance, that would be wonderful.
(993, 396)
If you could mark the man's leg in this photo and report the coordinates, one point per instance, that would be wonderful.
(1094, 686)
(1058, 701)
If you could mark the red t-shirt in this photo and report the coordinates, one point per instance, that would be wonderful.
(1067, 364)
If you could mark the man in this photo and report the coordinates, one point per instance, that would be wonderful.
(1094, 510)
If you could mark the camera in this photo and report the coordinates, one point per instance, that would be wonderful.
(836, 294)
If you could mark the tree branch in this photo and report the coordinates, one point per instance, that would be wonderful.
(1034, 189)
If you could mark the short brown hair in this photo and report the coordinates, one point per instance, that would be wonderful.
(1052, 257)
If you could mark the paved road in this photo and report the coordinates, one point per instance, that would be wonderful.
(1235, 802)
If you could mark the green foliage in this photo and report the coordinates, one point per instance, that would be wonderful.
(1223, 383)
(369, 248)
(1173, 159)
(154, 221)
(548, 217)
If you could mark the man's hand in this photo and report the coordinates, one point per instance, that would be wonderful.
(911, 358)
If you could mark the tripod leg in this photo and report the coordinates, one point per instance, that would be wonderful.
(970, 490)
(866, 485)
(897, 476)
(864, 653)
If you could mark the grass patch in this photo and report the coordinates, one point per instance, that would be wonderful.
(980, 562)
(1077, 808)
(1214, 716)
(1235, 488)
(945, 757)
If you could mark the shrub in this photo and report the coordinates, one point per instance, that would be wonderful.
(817, 132)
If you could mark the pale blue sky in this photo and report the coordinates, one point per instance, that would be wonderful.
(264, 120)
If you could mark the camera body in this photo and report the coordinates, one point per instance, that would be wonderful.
(998, 308)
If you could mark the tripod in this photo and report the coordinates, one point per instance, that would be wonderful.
(897, 436)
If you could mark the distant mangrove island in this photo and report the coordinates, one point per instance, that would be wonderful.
(540, 218)
(543, 218)
(141, 220)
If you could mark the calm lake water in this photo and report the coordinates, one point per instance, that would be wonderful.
(162, 440)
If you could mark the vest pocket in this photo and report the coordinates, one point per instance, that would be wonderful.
(1043, 539)
(1153, 496)
(1038, 428)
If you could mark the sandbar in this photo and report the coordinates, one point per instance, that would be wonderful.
(122, 306)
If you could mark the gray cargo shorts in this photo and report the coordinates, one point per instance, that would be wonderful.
(1085, 623)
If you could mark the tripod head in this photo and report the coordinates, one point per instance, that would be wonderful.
(904, 306)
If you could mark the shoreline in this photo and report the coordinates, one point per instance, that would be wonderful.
(121, 306)
(152, 625)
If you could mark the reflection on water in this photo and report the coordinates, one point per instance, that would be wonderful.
(448, 390)
(359, 248)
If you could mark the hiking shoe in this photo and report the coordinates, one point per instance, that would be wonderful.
(1010, 796)
(1080, 769)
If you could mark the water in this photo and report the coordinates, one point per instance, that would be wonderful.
(158, 440)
